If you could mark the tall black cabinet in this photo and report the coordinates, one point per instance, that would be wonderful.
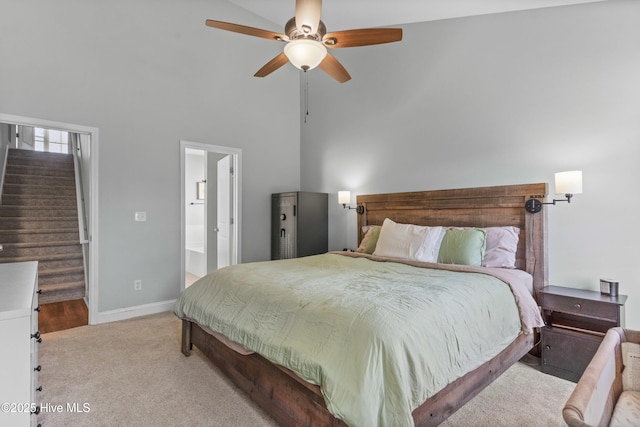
(299, 224)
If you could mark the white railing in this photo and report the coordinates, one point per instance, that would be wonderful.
(82, 229)
(4, 171)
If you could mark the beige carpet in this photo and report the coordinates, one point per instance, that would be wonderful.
(132, 373)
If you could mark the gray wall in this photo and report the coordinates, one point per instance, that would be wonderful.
(498, 99)
(149, 73)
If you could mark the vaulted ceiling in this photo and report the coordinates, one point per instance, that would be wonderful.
(349, 14)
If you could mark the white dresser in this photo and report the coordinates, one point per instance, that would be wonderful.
(19, 339)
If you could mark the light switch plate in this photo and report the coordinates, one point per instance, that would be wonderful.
(141, 216)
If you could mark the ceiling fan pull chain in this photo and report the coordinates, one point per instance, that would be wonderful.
(306, 96)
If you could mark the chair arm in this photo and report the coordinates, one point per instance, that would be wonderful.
(592, 401)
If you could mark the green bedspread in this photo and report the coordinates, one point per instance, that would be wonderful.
(379, 338)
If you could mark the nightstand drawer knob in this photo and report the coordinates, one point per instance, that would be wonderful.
(577, 305)
(547, 346)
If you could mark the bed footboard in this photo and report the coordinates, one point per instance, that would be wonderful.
(294, 402)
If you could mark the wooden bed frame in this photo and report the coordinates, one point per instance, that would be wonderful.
(293, 402)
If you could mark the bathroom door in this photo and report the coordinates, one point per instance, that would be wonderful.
(225, 219)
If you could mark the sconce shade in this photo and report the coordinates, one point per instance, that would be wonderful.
(569, 182)
(305, 54)
(344, 197)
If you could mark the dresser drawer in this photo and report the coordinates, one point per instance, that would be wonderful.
(581, 307)
(566, 353)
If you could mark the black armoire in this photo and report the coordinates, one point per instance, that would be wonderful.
(299, 224)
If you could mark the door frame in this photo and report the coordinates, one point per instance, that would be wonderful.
(92, 276)
(236, 161)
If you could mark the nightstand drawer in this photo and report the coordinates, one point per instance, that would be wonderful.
(566, 353)
(581, 307)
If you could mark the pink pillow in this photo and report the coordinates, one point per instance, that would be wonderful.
(502, 245)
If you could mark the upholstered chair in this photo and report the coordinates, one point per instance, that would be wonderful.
(600, 397)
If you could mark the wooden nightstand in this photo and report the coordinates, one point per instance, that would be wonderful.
(576, 321)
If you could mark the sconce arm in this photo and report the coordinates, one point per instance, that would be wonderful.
(358, 208)
(534, 205)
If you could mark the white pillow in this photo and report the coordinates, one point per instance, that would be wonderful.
(409, 241)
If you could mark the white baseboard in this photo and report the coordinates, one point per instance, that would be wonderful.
(136, 311)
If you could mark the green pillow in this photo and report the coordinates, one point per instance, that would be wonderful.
(369, 241)
(463, 246)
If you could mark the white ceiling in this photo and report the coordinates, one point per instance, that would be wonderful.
(352, 14)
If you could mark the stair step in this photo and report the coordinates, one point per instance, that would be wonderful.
(14, 178)
(73, 242)
(42, 223)
(35, 212)
(53, 162)
(61, 292)
(54, 264)
(41, 258)
(35, 249)
(46, 272)
(60, 161)
(22, 153)
(40, 171)
(62, 278)
(60, 286)
(42, 200)
(39, 190)
(38, 235)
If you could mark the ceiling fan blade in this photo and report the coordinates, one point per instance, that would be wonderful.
(331, 66)
(243, 29)
(364, 37)
(308, 15)
(272, 65)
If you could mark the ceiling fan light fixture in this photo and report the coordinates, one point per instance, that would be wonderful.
(305, 54)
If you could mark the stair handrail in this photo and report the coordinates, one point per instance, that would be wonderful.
(4, 171)
(79, 193)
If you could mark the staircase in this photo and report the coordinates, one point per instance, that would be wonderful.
(39, 221)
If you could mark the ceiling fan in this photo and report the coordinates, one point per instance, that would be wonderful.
(307, 41)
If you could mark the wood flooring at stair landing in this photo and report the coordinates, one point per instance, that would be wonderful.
(39, 221)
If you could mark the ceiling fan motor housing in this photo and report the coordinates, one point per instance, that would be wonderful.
(291, 30)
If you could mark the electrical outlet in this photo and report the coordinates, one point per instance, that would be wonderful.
(137, 285)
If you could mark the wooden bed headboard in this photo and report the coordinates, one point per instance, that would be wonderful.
(471, 207)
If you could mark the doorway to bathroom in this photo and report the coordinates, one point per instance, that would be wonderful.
(210, 209)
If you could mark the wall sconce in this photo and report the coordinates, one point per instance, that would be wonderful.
(344, 198)
(567, 183)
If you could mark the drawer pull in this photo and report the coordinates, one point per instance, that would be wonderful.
(36, 335)
(36, 411)
(39, 388)
(548, 347)
(38, 368)
(577, 305)
(37, 309)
